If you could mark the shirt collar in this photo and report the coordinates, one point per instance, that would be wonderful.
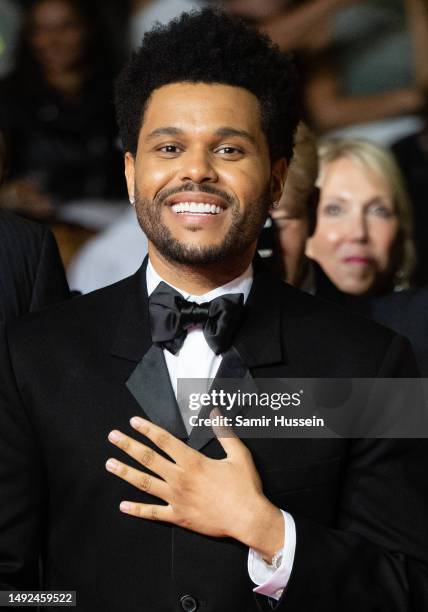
(241, 284)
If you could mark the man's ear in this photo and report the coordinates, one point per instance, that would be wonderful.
(130, 175)
(279, 174)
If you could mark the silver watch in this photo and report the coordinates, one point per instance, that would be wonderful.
(276, 560)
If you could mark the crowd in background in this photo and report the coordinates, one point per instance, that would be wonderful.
(352, 221)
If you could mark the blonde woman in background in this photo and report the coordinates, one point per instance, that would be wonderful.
(363, 238)
(406, 312)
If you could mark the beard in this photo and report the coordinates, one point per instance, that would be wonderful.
(243, 231)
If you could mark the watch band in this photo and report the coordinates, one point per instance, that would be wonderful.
(276, 560)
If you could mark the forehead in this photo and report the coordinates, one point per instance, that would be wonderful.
(352, 176)
(202, 107)
(52, 12)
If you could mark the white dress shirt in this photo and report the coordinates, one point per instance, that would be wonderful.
(111, 255)
(197, 360)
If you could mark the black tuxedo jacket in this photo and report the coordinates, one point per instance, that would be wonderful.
(406, 312)
(31, 272)
(71, 374)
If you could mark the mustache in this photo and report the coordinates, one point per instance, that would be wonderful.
(164, 194)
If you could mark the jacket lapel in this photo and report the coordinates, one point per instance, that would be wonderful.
(258, 340)
(132, 337)
(149, 382)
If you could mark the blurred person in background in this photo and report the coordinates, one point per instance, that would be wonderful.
(412, 156)
(406, 312)
(56, 108)
(292, 24)
(295, 213)
(369, 81)
(365, 62)
(31, 272)
(363, 237)
(10, 23)
(113, 254)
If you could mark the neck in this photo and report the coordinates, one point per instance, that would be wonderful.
(198, 280)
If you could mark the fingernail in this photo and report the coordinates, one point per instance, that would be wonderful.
(137, 422)
(114, 436)
(112, 465)
(125, 506)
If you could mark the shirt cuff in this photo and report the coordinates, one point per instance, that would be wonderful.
(271, 582)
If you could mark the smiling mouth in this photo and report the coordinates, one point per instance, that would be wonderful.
(196, 208)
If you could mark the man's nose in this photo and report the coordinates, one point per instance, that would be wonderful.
(198, 167)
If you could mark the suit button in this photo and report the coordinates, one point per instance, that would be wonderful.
(189, 603)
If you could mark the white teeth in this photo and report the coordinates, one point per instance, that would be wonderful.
(196, 207)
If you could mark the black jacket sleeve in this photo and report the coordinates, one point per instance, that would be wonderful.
(22, 486)
(50, 285)
(31, 272)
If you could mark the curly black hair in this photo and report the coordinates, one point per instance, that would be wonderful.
(210, 46)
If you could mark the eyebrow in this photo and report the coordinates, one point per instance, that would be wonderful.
(164, 131)
(374, 200)
(223, 132)
(334, 197)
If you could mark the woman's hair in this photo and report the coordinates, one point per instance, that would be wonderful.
(381, 162)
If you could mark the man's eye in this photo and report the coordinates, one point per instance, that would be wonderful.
(169, 149)
(229, 151)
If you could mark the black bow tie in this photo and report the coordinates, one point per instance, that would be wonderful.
(171, 316)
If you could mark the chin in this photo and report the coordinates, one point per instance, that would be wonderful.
(192, 254)
(196, 240)
(356, 288)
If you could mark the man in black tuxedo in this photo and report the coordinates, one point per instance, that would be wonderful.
(31, 273)
(207, 110)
